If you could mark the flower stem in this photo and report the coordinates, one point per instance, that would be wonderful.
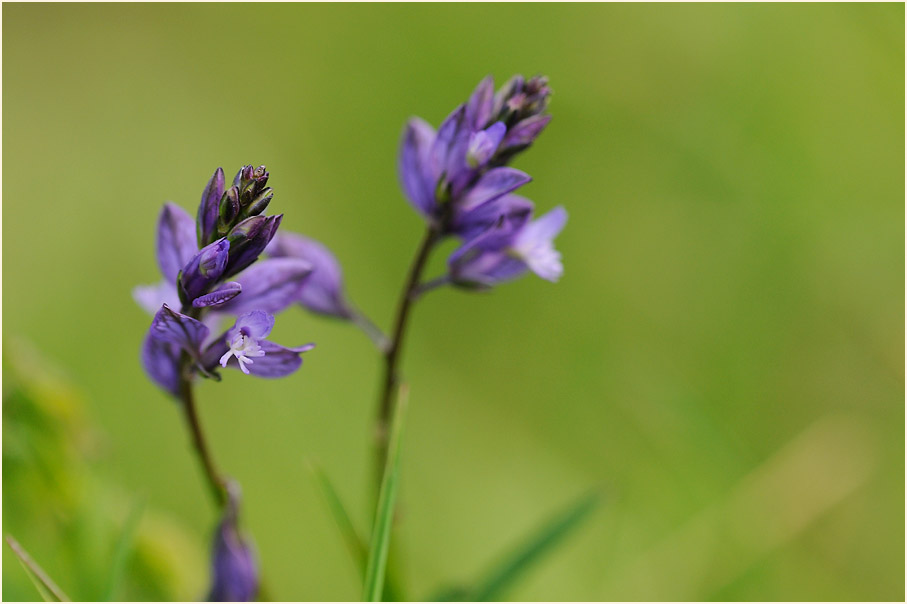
(370, 329)
(216, 483)
(391, 382)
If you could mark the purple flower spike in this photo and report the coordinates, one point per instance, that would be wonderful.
(323, 291)
(175, 240)
(234, 568)
(244, 346)
(208, 208)
(204, 269)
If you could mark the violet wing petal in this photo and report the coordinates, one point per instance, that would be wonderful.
(493, 184)
(479, 106)
(161, 360)
(270, 285)
(179, 329)
(209, 207)
(278, 361)
(514, 209)
(256, 324)
(323, 290)
(546, 227)
(415, 173)
(448, 151)
(150, 297)
(175, 240)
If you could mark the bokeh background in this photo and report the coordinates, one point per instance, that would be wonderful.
(723, 358)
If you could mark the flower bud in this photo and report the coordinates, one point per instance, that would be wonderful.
(234, 570)
(208, 209)
(248, 240)
(229, 209)
(205, 268)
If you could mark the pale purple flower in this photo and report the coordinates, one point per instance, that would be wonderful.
(506, 251)
(244, 346)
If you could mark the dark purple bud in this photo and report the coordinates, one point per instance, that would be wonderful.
(520, 99)
(204, 269)
(248, 240)
(220, 296)
(229, 209)
(234, 570)
(526, 131)
(260, 203)
(208, 209)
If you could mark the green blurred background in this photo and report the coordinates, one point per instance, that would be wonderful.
(723, 357)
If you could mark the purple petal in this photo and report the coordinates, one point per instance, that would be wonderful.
(208, 208)
(270, 285)
(175, 240)
(161, 360)
(545, 228)
(179, 329)
(493, 184)
(151, 297)
(205, 268)
(448, 152)
(278, 360)
(514, 210)
(223, 294)
(416, 176)
(256, 324)
(323, 290)
(478, 109)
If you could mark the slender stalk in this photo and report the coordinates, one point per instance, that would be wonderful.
(392, 353)
(370, 329)
(215, 481)
(37, 574)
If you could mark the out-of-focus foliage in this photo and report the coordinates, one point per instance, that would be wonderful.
(724, 354)
(71, 520)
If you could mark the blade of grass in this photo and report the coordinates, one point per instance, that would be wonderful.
(375, 568)
(124, 547)
(350, 535)
(543, 541)
(45, 585)
(354, 542)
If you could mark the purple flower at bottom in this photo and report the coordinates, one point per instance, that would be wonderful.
(505, 252)
(234, 568)
(244, 346)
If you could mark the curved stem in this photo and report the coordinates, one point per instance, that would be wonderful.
(392, 352)
(374, 332)
(216, 483)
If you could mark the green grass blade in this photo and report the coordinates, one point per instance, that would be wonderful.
(354, 542)
(376, 567)
(123, 548)
(545, 539)
(45, 585)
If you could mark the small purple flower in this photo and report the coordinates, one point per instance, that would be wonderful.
(244, 346)
(234, 568)
(506, 251)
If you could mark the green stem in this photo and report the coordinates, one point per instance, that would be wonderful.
(216, 483)
(392, 353)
